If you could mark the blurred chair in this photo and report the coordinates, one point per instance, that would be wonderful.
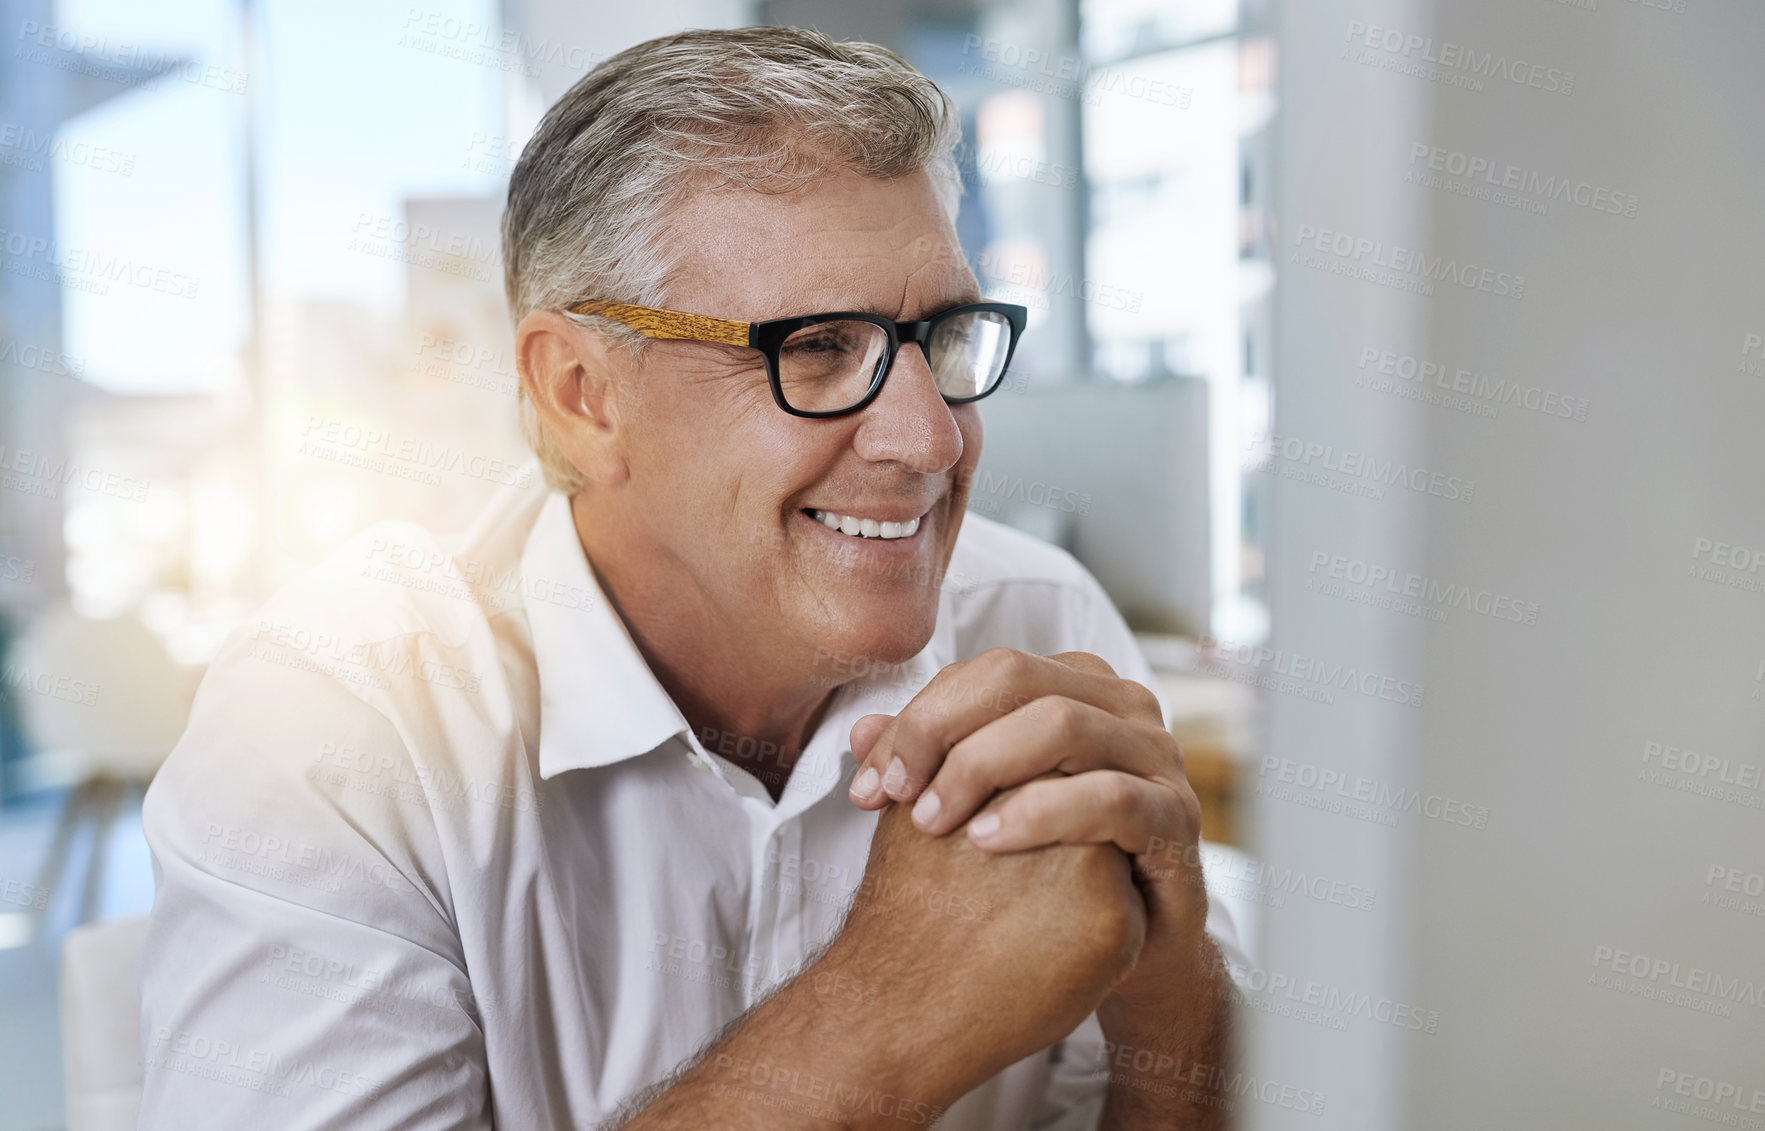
(102, 704)
(101, 1024)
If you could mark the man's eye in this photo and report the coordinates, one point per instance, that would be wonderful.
(834, 339)
(820, 343)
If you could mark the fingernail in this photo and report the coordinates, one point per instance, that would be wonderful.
(927, 809)
(864, 786)
(896, 779)
(984, 826)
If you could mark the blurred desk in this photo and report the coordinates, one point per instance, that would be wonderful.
(1213, 718)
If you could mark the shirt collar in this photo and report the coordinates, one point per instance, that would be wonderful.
(599, 703)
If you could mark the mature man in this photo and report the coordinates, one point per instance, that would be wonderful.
(540, 827)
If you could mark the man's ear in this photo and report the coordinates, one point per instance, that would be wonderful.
(567, 372)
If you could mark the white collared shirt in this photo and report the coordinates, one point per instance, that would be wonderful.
(438, 851)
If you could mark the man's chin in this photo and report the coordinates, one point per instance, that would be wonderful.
(874, 639)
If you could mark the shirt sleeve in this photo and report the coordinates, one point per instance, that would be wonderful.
(1078, 1080)
(301, 968)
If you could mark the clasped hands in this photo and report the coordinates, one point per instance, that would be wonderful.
(1049, 870)
(1031, 751)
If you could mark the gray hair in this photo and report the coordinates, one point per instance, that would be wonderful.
(762, 108)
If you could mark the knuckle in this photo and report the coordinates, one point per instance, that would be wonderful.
(1117, 926)
(1190, 807)
(1005, 664)
(947, 674)
(1127, 935)
(963, 772)
(1029, 802)
(1059, 714)
(1141, 699)
(1085, 869)
(1120, 799)
(1169, 749)
(1098, 858)
(1115, 932)
(1086, 662)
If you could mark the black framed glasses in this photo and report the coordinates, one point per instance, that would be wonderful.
(823, 365)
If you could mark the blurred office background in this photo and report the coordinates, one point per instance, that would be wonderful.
(1442, 547)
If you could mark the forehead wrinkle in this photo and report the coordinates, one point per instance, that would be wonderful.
(747, 218)
(936, 282)
(746, 236)
(879, 246)
(961, 288)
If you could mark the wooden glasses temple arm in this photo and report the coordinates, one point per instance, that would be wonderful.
(653, 323)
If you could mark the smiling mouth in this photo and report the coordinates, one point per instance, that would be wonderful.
(859, 527)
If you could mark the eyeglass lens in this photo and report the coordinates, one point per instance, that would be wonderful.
(830, 366)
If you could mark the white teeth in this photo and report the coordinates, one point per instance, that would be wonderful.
(867, 527)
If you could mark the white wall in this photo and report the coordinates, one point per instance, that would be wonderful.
(1600, 524)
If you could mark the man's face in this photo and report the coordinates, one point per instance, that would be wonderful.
(722, 480)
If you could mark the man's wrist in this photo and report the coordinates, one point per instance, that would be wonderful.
(834, 1045)
(884, 1018)
(1167, 1061)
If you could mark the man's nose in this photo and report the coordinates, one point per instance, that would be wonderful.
(908, 422)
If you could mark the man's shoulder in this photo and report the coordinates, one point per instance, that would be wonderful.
(382, 689)
(990, 555)
(398, 580)
(427, 630)
(1006, 588)
(1011, 589)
